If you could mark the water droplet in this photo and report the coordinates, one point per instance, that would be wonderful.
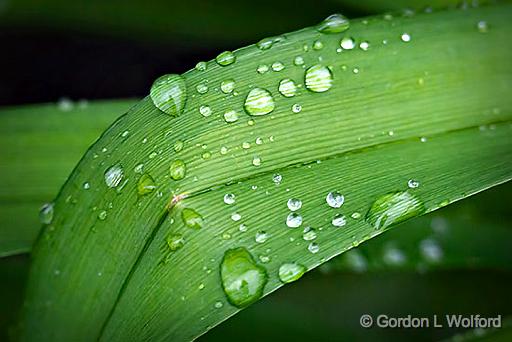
(261, 236)
(246, 145)
(364, 46)
(318, 45)
(146, 185)
(218, 305)
(225, 58)
(242, 227)
(393, 208)
(318, 78)
(206, 155)
(242, 279)
(169, 94)
(114, 175)
(261, 69)
(290, 272)
(258, 141)
(413, 184)
(298, 61)
(191, 218)
(177, 169)
(265, 43)
(139, 168)
(431, 251)
(226, 236)
(313, 247)
(229, 198)
(287, 88)
(294, 204)
(309, 234)
(231, 116)
(334, 23)
(46, 213)
(482, 26)
(102, 215)
(334, 199)
(86, 186)
(175, 241)
(227, 86)
(236, 217)
(223, 150)
(277, 66)
(201, 66)
(277, 178)
(339, 220)
(296, 108)
(293, 220)
(202, 88)
(264, 258)
(405, 37)
(125, 134)
(178, 145)
(347, 43)
(256, 161)
(356, 215)
(205, 110)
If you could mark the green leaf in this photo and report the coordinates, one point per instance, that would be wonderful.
(40, 144)
(421, 108)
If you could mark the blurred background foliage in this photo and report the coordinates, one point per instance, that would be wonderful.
(456, 260)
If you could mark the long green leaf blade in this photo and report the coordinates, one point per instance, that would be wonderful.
(103, 268)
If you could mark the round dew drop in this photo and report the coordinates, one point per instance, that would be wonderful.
(231, 116)
(202, 88)
(296, 108)
(277, 66)
(259, 102)
(298, 61)
(227, 86)
(334, 23)
(313, 247)
(46, 213)
(309, 234)
(169, 94)
(293, 220)
(191, 218)
(261, 69)
(287, 88)
(242, 279)
(265, 43)
(318, 78)
(290, 272)
(256, 161)
(413, 184)
(177, 169)
(339, 220)
(205, 110)
(146, 185)
(225, 58)
(114, 175)
(294, 204)
(175, 241)
(405, 37)
(277, 178)
(348, 43)
(261, 236)
(229, 199)
(334, 199)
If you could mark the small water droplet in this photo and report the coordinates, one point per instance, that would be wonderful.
(293, 220)
(290, 272)
(139, 168)
(206, 155)
(405, 37)
(223, 150)
(229, 198)
(227, 86)
(146, 185)
(298, 60)
(277, 66)
(191, 218)
(334, 23)
(242, 227)
(261, 236)
(177, 169)
(231, 116)
(125, 134)
(236, 217)
(318, 45)
(205, 110)
(264, 258)
(258, 141)
(334, 199)
(296, 108)
(364, 46)
(482, 26)
(102, 215)
(309, 234)
(218, 305)
(313, 247)
(169, 94)
(347, 43)
(256, 161)
(287, 88)
(86, 186)
(46, 213)
(175, 241)
(277, 178)
(318, 78)
(202, 88)
(413, 184)
(265, 43)
(243, 280)
(339, 220)
(114, 175)
(246, 145)
(393, 208)
(356, 215)
(294, 204)
(225, 58)
(261, 69)
(178, 145)
(201, 66)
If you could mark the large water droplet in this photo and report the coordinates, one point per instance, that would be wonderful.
(114, 175)
(318, 78)
(293, 220)
(177, 169)
(46, 213)
(334, 199)
(146, 185)
(393, 208)
(191, 218)
(225, 58)
(175, 241)
(334, 23)
(294, 204)
(243, 280)
(169, 94)
(290, 272)
(259, 102)
(287, 88)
